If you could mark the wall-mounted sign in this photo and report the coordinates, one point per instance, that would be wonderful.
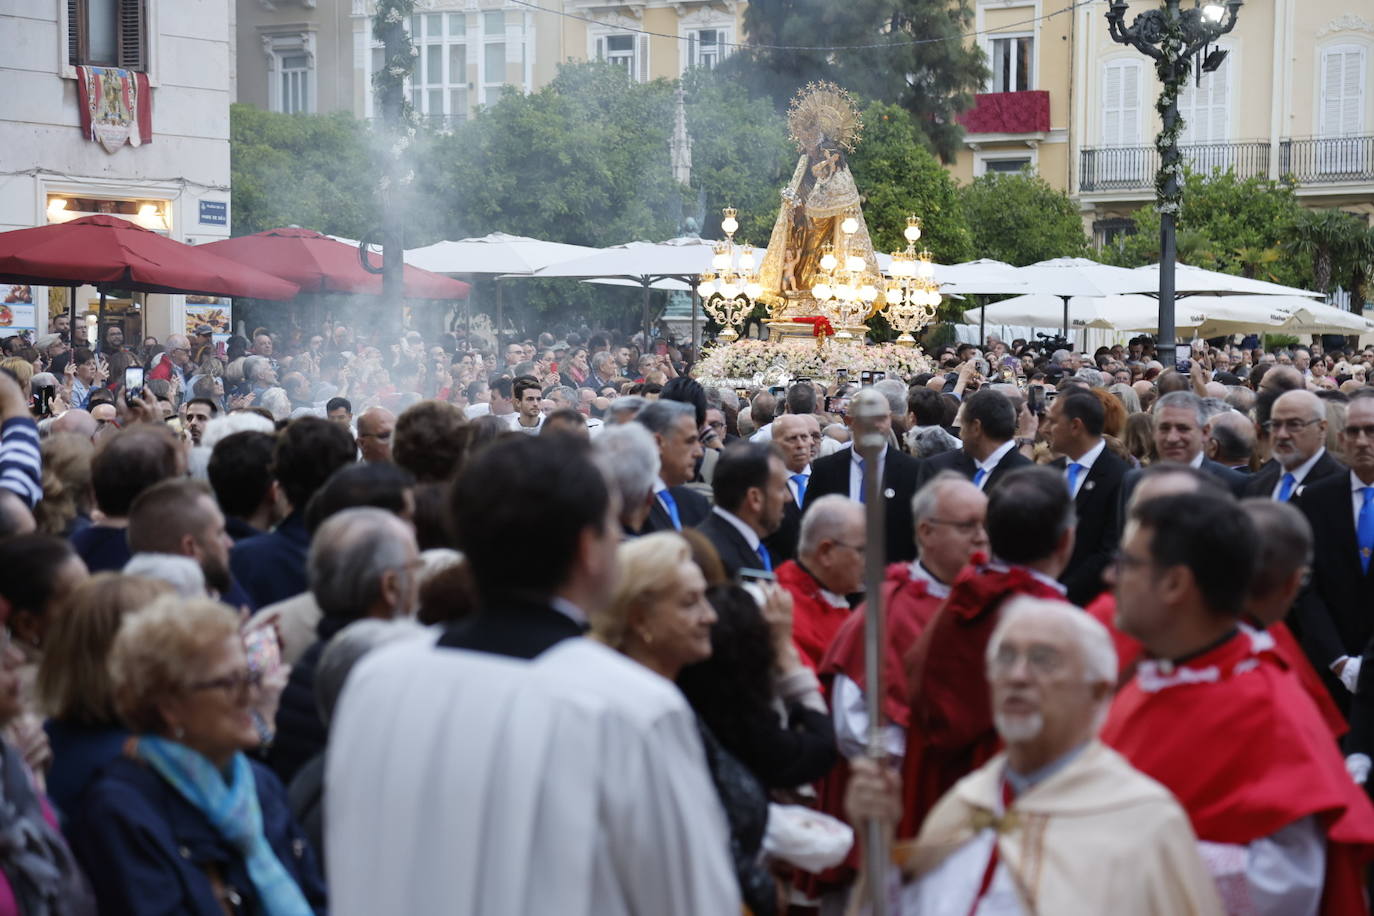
(214, 212)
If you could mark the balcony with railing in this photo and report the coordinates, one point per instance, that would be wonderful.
(1327, 160)
(1132, 168)
(1317, 161)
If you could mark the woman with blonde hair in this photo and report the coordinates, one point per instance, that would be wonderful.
(73, 684)
(184, 822)
(658, 616)
(66, 504)
(1140, 438)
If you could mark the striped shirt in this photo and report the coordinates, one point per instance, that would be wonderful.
(21, 466)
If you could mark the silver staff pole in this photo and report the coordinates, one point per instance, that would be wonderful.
(867, 409)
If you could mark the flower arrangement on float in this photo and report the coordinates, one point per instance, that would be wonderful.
(748, 362)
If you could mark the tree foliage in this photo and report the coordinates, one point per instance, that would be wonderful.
(898, 177)
(316, 171)
(908, 53)
(1020, 219)
(1229, 224)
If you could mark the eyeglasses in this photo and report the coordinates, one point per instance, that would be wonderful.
(1354, 432)
(1043, 661)
(965, 528)
(1293, 426)
(238, 684)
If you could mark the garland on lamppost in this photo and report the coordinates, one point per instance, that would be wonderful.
(399, 56)
(1172, 69)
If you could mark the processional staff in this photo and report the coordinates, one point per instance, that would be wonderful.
(867, 409)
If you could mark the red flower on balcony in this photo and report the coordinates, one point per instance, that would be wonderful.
(1008, 113)
(820, 325)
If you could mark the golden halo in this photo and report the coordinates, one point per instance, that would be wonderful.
(821, 112)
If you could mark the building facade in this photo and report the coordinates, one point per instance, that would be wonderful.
(319, 55)
(154, 147)
(1291, 98)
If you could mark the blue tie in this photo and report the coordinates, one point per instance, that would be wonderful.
(863, 484)
(1364, 529)
(1074, 470)
(1286, 488)
(765, 558)
(671, 505)
(800, 481)
(979, 476)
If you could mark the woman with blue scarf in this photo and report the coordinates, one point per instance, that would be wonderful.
(183, 822)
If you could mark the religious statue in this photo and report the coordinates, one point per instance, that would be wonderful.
(825, 125)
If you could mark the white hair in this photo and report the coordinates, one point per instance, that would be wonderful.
(824, 520)
(182, 573)
(240, 422)
(1094, 642)
(277, 402)
(629, 459)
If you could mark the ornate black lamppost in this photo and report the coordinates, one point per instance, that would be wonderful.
(1173, 37)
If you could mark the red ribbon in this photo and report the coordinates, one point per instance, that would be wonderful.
(820, 325)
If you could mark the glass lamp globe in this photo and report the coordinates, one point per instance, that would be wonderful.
(706, 289)
(849, 226)
(912, 232)
(720, 262)
(729, 290)
(828, 261)
(894, 294)
(753, 290)
(1213, 12)
(854, 264)
(925, 270)
(729, 225)
(746, 259)
(821, 291)
(868, 293)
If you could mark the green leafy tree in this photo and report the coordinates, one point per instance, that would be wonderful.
(1020, 219)
(908, 53)
(899, 177)
(1330, 241)
(316, 171)
(1229, 224)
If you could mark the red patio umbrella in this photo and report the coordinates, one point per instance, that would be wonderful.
(321, 264)
(113, 253)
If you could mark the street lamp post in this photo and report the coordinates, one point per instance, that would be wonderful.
(1173, 37)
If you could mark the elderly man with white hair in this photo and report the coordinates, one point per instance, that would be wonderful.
(1297, 437)
(1058, 822)
(628, 456)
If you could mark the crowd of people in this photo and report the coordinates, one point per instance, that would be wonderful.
(298, 623)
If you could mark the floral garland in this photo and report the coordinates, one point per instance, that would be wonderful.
(388, 24)
(1173, 69)
(751, 361)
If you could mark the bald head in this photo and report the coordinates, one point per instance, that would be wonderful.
(792, 434)
(1297, 427)
(1281, 378)
(1231, 439)
(375, 426)
(829, 518)
(831, 546)
(76, 421)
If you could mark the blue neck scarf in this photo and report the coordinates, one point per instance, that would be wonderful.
(232, 809)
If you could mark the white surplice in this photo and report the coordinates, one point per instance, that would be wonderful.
(466, 783)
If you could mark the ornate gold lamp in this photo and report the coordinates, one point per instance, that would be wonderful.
(729, 288)
(842, 293)
(912, 294)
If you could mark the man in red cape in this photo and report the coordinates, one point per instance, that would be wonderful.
(948, 513)
(1030, 526)
(1223, 723)
(829, 565)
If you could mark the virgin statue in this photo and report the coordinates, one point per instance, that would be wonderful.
(825, 125)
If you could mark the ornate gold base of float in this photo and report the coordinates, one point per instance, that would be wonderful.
(793, 305)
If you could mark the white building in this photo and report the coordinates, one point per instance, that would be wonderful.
(175, 182)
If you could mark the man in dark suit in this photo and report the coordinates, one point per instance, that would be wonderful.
(1094, 475)
(792, 434)
(1297, 429)
(1333, 614)
(750, 487)
(842, 473)
(988, 431)
(1181, 428)
(674, 426)
(533, 517)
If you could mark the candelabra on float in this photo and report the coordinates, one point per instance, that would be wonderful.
(841, 293)
(913, 296)
(729, 288)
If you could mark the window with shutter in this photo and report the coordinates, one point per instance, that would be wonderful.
(132, 35)
(1206, 120)
(1121, 121)
(1342, 109)
(108, 33)
(643, 55)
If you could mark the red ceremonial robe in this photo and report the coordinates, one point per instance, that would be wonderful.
(1240, 743)
(1295, 659)
(1128, 649)
(951, 732)
(910, 606)
(814, 620)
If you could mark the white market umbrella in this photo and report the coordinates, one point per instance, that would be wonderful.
(1199, 281)
(1070, 277)
(1042, 310)
(983, 277)
(1318, 318)
(644, 264)
(498, 254)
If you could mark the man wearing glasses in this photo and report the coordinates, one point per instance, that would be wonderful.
(1297, 431)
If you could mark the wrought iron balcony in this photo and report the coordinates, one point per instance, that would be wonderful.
(1132, 168)
(1327, 160)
